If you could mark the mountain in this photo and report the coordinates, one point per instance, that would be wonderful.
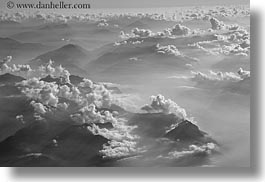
(69, 56)
(136, 59)
(137, 24)
(20, 50)
(10, 79)
(55, 26)
(9, 22)
(7, 84)
(54, 144)
(185, 131)
(48, 33)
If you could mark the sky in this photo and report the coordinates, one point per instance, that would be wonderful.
(136, 3)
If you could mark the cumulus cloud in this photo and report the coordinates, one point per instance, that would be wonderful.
(177, 30)
(122, 142)
(49, 93)
(229, 43)
(215, 76)
(42, 71)
(3, 63)
(90, 114)
(243, 73)
(39, 107)
(169, 50)
(172, 50)
(103, 23)
(142, 32)
(167, 106)
(192, 150)
(20, 118)
(89, 98)
(220, 76)
(179, 14)
(42, 91)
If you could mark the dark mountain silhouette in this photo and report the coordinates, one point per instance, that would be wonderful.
(8, 78)
(185, 131)
(34, 145)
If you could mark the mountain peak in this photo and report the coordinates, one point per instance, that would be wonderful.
(9, 78)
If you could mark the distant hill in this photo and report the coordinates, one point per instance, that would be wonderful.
(10, 79)
(47, 33)
(54, 26)
(20, 50)
(8, 22)
(69, 56)
(137, 24)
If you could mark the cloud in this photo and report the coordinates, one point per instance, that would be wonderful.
(169, 50)
(228, 43)
(38, 107)
(215, 77)
(178, 30)
(89, 114)
(42, 71)
(134, 59)
(167, 106)
(44, 92)
(174, 14)
(143, 33)
(88, 97)
(243, 73)
(193, 150)
(122, 142)
(103, 23)
(3, 63)
(20, 118)
(220, 25)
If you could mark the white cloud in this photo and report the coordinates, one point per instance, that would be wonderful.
(171, 14)
(134, 59)
(193, 149)
(103, 23)
(169, 50)
(39, 107)
(228, 43)
(178, 30)
(143, 33)
(20, 118)
(243, 73)
(167, 106)
(215, 76)
(88, 98)
(3, 63)
(122, 141)
(220, 77)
